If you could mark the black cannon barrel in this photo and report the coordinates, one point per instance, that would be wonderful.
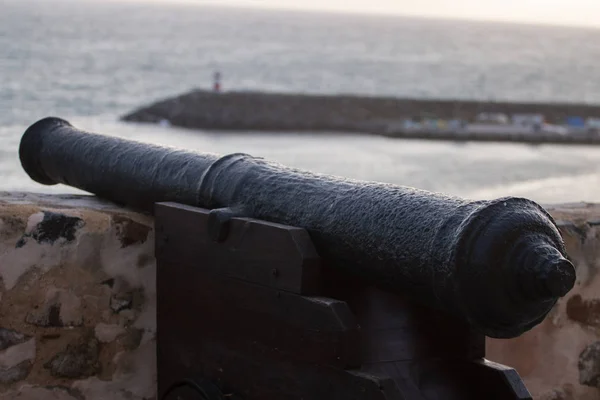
(500, 265)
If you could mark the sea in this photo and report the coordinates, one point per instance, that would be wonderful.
(91, 61)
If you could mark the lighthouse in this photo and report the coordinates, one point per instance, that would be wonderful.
(217, 81)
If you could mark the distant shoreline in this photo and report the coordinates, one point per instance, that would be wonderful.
(384, 116)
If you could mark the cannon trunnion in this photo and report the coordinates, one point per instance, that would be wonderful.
(254, 313)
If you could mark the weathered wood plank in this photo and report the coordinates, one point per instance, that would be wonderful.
(249, 371)
(448, 379)
(310, 329)
(269, 254)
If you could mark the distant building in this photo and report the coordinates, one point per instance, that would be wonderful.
(491, 118)
(456, 124)
(532, 121)
(528, 119)
(217, 81)
(409, 124)
(576, 122)
(558, 129)
(593, 125)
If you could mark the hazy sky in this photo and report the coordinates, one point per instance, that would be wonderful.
(568, 12)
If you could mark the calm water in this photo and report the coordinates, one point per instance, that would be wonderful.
(91, 61)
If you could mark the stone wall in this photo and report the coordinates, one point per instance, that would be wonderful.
(77, 305)
(77, 300)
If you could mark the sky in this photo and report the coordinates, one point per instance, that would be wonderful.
(562, 12)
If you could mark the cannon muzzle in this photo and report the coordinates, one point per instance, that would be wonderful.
(501, 265)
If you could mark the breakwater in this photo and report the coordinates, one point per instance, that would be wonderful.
(258, 111)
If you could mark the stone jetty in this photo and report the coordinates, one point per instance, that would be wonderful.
(259, 111)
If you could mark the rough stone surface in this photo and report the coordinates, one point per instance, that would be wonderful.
(16, 373)
(586, 312)
(589, 365)
(48, 227)
(31, 392)
(15, 355)
(60, 308)
(79, 360)
(9, 338)
(106, 333)
(17, 352)
(77, 299)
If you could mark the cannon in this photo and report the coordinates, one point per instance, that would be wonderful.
(364, 278)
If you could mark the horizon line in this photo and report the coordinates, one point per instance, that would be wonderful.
(244, 4)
